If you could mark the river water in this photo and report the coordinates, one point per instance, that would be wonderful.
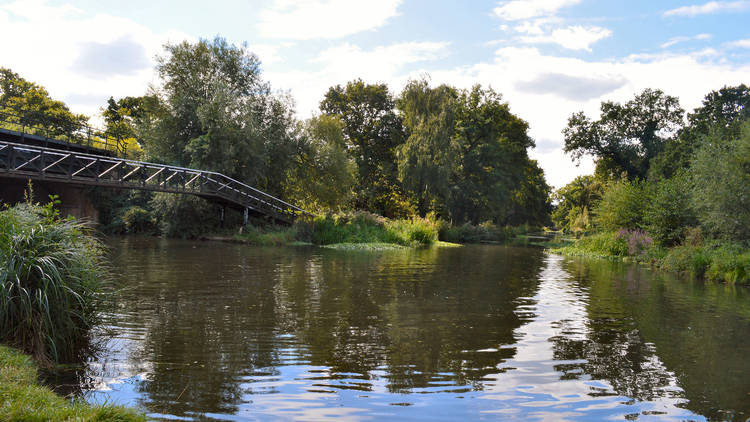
(214, 331)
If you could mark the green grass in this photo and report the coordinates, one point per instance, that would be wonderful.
(366, 228)
(23, 399)
(50, 272)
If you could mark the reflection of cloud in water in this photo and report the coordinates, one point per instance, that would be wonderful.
(539, 386)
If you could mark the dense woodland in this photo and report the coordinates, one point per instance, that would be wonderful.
(441, 152)
(459, 155)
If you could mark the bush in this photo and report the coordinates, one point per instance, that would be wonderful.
(605, 243)
(138, 220)
(622, 206)
(50, 270)
(721, 186)
(669, 213)
(687, 258)
(184, 216)
(730, 263)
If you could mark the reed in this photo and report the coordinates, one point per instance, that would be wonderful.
(50, 272)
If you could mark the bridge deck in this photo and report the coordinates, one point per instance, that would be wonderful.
(82, 168)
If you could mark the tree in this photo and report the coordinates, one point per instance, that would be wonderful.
(721, 113)
(492, 144)
(325, 177)
(626, 137)
(426, 159)
(27, 103)
(575, 202)
(372, 131)
(721, 185)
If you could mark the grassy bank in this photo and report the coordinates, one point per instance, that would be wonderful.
(714, 260)
(23, 399)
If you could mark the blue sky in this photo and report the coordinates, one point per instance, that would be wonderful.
(549, 58)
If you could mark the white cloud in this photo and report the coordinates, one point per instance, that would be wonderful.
(573, 37)
(345, 62)
(526, 9)
(327, 19)
(676, 40)
(80, 58)
(709, 8)
(740, 43)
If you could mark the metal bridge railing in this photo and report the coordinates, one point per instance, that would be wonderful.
(47, 129)
(42, 163)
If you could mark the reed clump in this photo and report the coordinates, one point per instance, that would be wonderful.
(50, 272)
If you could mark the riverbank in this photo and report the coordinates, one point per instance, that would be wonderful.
(368, 231)
(22, 398)
(713, 260)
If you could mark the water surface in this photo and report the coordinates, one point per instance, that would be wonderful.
(214, 331)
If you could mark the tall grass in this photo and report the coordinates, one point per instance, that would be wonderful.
(363, 227)
(50, 270)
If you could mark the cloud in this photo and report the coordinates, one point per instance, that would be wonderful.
(573, 37)
(676, 40)
(326, 19)
(79, 56)
(574, 88)
(527, 9)
(346, 62)
(119, 57)
(709, 8)
(740, 43)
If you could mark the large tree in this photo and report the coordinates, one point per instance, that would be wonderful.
(720, 115)
(627, 136)
(372, 131)
(427, 158)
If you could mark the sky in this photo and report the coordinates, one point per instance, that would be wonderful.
(548, 58)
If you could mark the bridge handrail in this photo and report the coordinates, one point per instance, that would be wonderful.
(77, 133)
(270, 200)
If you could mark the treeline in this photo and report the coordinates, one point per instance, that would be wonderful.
(454, 154)
(672, 192)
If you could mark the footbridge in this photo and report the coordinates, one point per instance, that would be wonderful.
(89, 157)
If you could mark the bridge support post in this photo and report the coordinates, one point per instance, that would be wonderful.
(244, 217)
(221, 216)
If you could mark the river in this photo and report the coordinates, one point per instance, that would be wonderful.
(215, 331)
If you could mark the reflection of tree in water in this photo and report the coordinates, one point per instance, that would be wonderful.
(642, 323)
(418, 316)
(204, 337)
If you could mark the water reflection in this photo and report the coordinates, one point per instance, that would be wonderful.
(226, 332)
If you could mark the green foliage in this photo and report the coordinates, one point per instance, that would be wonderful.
(324, 180)
(575, 202)
(273, 236)
(138, 220)
(626, 137)
(669, 212)
(729, 263)
(372, 131)
(50, 270)
(622, 206)
(688, 259)
(23, 399)
(606, 244)
(426, 159)
(185, 217)
(362, 227)
(721, 185)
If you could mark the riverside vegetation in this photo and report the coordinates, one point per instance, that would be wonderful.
(680, 202)
(50, 272)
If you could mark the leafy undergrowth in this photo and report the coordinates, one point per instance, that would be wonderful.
(713, 260)
(23, 399)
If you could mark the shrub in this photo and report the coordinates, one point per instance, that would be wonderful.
(363, 227)
(669, 212)
(622, 206)
(605, 243)
(730, 263)
(50, 270)
(138, 220)
(687, 258)
(638, 241)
